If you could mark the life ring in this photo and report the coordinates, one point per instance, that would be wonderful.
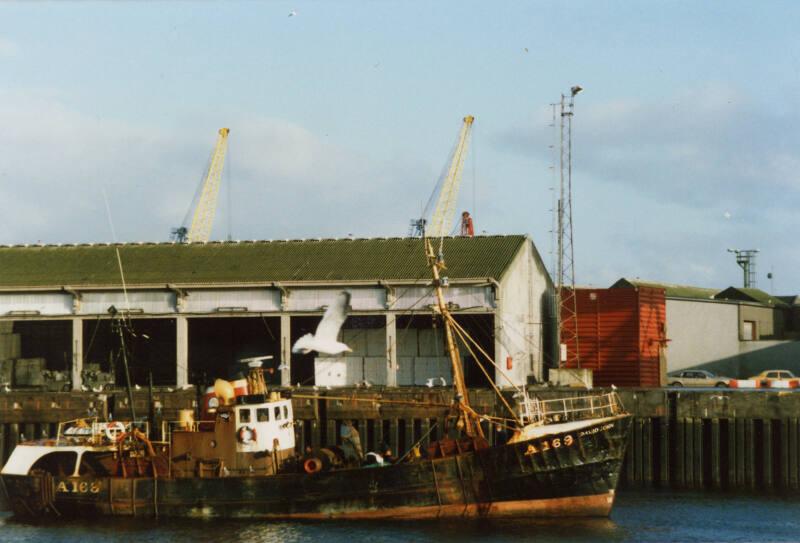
(247, 435)
(114, 429)
(312, 465)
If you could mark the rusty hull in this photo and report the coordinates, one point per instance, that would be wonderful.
(571, 474)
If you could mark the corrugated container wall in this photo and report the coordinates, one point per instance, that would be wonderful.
(622, 335)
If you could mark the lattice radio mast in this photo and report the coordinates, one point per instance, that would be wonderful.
(746, 258)
(567, 314)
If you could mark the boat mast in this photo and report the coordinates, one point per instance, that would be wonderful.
(471, 427)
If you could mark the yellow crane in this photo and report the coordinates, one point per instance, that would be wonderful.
(441, 222)
(206, 197)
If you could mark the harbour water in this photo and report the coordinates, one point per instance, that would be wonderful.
(653, 516)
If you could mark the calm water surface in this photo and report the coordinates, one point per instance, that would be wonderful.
(637, 516)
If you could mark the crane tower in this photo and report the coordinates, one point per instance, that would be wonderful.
(208, 191)
(442, 219)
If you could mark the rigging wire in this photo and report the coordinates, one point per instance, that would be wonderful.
(460, 333)
(116, 248)
(228, 168)
(483, 352)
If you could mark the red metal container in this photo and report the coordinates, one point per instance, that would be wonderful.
(240, 387)
(621, 335)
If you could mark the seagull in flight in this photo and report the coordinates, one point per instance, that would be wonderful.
(292, 13)
(324, 340)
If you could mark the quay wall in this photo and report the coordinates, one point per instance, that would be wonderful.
(704, 439)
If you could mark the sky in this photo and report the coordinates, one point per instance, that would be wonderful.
(342, 117)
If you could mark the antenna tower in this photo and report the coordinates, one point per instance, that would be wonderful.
(746, 258)
(567, 313)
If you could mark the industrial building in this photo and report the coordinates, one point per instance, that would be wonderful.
(621, 335)
(188, 312)
(737, 332)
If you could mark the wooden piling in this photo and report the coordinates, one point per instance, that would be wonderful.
(793, 457)
(731, 480)
(638, 468)
(410, 438)
(394, 436)
(740, 452)
(699, 475)
(716, 458)
(750, 453)
(425, 428)
(30, 431)
(3, 445)
(13, 436)
(784, 469)
(647, 438)
(766, 456)
(378, 433)
(664, 450)
(316, 437)
(629, 462)
(331, 436)
(363, 432)
(680, 451)
(300, 437)
(688, 451)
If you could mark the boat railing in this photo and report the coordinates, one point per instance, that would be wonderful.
(535, 410)
(91, 430)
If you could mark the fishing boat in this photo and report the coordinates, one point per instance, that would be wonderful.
(239, 460)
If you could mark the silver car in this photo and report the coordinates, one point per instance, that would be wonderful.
(697, 378)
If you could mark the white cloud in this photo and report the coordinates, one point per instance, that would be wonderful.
(654, 180)
(697, 148)
(287, 181)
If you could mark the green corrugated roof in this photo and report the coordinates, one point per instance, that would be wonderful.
(671, 291)
(790, 300)
(256, 261)
(751, 294)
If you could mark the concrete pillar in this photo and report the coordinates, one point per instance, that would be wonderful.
(182, 354)
(77, 353)
(391, 350)
(286, 350)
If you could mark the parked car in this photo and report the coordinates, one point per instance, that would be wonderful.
(773, 375)
(697, 378)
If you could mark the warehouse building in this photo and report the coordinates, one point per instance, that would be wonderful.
(188, 313)
(737, 332)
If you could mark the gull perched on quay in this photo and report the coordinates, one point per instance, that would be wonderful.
(324, 340)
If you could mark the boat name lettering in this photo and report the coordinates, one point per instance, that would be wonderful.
(78, 487)
(596, 430)
(545, 445)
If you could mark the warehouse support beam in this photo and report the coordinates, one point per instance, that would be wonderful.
(77, 353)
(391, 350)
(286, 350)
(182, 351)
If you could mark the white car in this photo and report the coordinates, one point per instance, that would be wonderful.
(697, 378)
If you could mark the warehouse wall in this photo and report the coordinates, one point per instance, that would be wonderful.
(522, 318)
(700, 332)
